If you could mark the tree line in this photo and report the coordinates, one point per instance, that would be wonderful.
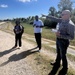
(62, 5)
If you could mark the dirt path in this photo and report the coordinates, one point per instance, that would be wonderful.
(2, 23)
(16, 61)
(22, 61)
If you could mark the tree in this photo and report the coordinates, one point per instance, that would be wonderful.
(65, 5)
(73, 12)
(73, 15)
(52, 11)
(47, 22)
(32, 18)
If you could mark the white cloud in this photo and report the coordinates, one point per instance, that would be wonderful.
(3, 6)
(34, 0)
(26, 0)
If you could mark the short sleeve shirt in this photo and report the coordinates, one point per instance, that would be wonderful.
(38, 23)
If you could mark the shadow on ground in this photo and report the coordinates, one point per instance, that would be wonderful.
(7, 51)
(19, 56)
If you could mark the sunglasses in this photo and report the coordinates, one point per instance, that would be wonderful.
(63, 14)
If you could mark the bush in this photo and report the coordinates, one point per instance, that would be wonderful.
(31, 22)
(50, 24)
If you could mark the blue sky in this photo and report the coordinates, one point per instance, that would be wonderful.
(24, 8)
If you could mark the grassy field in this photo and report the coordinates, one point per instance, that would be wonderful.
(46, 33)
(45, 62)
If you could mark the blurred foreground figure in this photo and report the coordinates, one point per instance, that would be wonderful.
(64, 33)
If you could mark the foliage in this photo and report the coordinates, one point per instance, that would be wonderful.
(50, 24)
(62, 5)
(65, 4)
(52, 11)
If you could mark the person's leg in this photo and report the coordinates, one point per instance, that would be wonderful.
(16, 40)
(58, 59)
(36, 38)
(20, 42)
(39, 41)
(64, 45)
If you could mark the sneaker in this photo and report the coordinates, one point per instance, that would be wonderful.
(39, 50)
(54, 70)
(19, 47)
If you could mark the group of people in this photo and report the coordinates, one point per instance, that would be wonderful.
(64, 34)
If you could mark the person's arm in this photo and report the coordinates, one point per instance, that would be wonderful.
(14, 30)
(34, 25)
(39, 26)
(52, 18)
(22, 29)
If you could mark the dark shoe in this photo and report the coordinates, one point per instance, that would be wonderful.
(51, 73)
(63, 71)
(54, 69)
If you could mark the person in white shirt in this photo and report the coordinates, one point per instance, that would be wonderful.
(38, 24)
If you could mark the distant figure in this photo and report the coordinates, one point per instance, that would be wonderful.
(38, 24)
(64, 34)
(18, 30)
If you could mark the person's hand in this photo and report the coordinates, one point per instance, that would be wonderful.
(57, 33)
(34, 25)
(37, 26)
(43, 15)
(15, 29)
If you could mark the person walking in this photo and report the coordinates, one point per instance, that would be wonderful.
(64, 34)
(38, 24)
(18, 30)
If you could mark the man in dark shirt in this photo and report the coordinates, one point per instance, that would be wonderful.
(64, 34)
(18, 30)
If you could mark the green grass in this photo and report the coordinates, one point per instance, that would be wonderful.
(46, 33)
(73, 42)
